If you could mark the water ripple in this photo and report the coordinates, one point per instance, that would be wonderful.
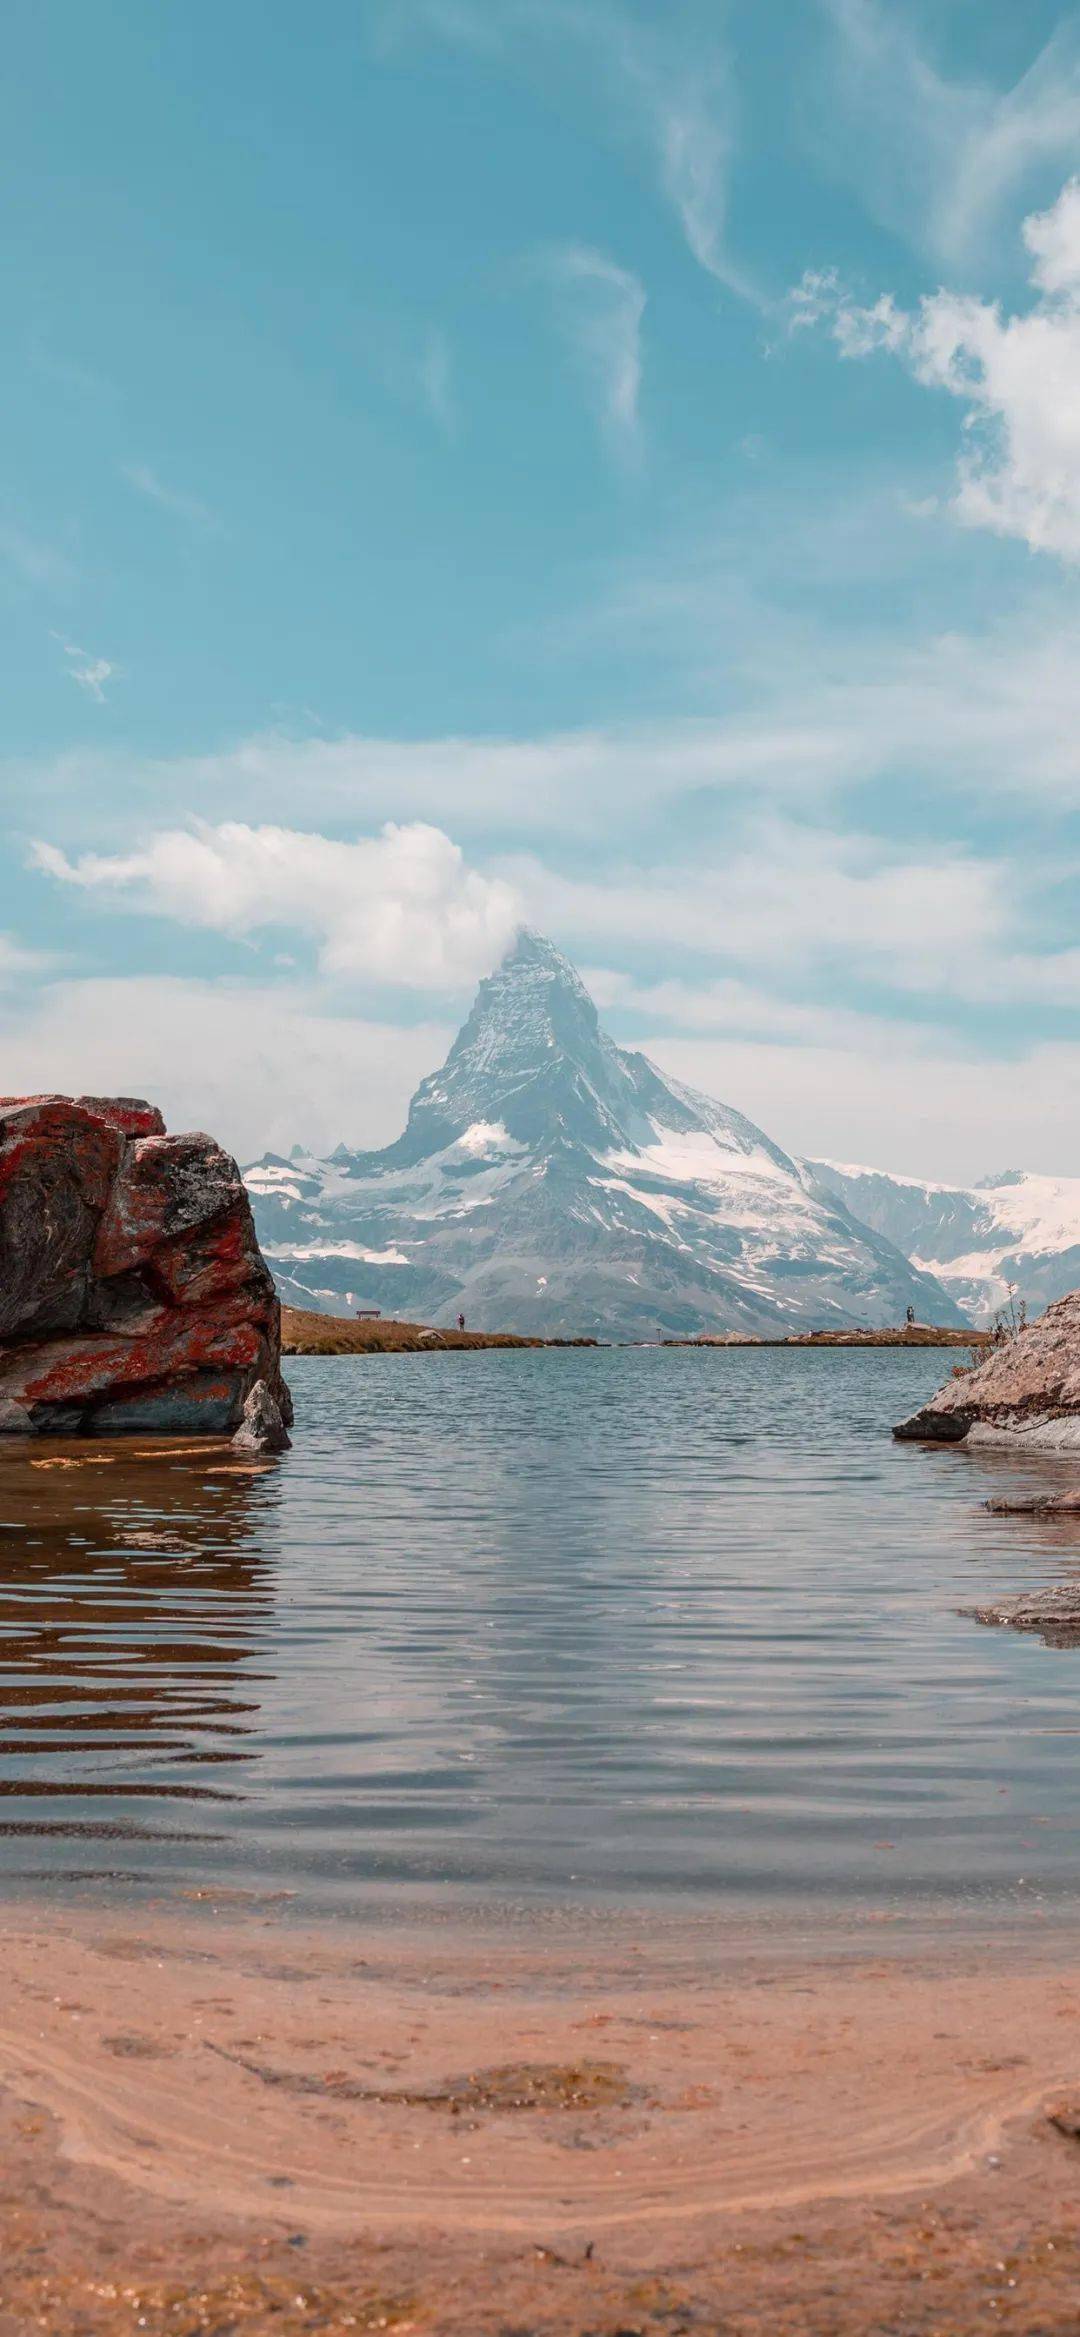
(573, 1625)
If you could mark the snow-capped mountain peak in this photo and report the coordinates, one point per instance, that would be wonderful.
(550, 1180)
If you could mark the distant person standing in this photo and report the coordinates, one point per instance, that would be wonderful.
(909, 1318)
(461, 1322)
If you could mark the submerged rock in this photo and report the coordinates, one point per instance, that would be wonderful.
(1037, 1504)
(262, 1429)
(1024, 1396)
(1044, 1433)
(1054, 1613)
(133, 1293)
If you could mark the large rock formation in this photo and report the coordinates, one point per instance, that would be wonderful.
(133, 1293)
(1026, 1395)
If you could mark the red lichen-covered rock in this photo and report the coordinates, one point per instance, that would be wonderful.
(170, 1193)
(1026, 1392)
(56, 1174)
(127, 1113)
(133, 1293)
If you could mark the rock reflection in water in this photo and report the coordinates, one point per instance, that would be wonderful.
(135, 1598)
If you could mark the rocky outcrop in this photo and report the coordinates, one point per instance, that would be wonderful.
(1025, 1395)
(133, 1293)
(262, 1429)
(1053, 1613)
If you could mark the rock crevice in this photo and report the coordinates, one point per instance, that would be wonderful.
(133, 1293)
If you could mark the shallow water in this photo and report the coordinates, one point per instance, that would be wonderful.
(576, 1627)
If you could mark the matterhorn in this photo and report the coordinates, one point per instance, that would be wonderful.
(551, 1182)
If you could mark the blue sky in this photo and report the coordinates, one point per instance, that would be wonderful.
(611, 464)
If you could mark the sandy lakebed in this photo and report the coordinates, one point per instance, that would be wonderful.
(214, 2119)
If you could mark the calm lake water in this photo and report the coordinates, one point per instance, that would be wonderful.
(578, 1627)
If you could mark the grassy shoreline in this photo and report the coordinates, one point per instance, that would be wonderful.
(919, 1335)
(303, 1332)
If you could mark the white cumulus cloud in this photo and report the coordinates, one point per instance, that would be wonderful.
(401, 907)
(1017, 378)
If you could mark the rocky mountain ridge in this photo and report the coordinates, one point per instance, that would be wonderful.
(1015, 1237)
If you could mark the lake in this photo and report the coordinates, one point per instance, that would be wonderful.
(542, 1628)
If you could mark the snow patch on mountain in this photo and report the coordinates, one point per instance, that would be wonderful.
(304, 1251)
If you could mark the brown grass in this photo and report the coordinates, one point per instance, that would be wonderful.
(919, 1335)
(306, 1333)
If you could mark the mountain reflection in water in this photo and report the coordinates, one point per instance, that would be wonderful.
(134, 1595)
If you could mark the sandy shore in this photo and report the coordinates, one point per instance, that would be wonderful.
(214, 2121)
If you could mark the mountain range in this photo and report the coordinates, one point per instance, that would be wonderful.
(549, 1181)
(1015, 1237)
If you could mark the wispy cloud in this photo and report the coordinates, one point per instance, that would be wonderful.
(600, 306)
(986, 718)
(740, 1008)
(1017, 378)
(949, 1112)
(34, 561)
(691, 124)
(792, 894)
(938, 157)
(171, 499)
(436, 379)
(667, 87)
(89, 672)
(17, 961)
(413, 359)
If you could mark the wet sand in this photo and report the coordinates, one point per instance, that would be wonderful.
(212, 2120)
